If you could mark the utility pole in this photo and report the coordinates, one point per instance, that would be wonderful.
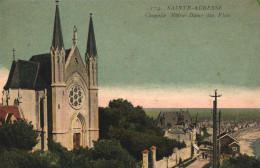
(215, 151)
(219, 127)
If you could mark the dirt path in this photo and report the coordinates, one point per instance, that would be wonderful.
(199, 163)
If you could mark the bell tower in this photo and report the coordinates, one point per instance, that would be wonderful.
(58, 86)
(91, 58)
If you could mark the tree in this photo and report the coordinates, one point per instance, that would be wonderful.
(134, 129)
(242, 161)
(20, 134)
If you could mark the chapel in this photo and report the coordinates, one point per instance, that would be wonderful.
(57, 91)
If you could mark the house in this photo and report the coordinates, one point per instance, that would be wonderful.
(168, 119)
(229, 146)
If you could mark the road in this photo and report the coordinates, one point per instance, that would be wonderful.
(199, 163)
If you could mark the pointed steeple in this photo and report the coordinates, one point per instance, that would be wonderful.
(91, 44)
(57, 40)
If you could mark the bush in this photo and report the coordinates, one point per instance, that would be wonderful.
(242, 161)
(20, 134)
(23, 159)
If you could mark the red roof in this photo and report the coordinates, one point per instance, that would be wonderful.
(145, 151)
(5, 110)
(153, 148)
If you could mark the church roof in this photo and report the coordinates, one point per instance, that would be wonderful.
(91, 44)
(57, 40)
(23, 74)
(32, 74)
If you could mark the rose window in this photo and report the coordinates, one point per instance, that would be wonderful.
(76, 97)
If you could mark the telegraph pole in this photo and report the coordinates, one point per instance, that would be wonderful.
(215, 151)
(219, 129)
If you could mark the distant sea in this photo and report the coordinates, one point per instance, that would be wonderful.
(239, 114)
(203, 109)
(256, 147)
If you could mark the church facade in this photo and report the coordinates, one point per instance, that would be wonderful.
(57, 92)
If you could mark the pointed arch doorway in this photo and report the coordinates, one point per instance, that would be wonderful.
(76, 140)
(78, 132)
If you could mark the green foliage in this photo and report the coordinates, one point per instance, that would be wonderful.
(134, 129)
(113, 151)
(200, 139)
(23, 159)
(20, 134)
(242, 161)
(106, 153)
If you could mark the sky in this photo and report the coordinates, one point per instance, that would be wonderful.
(165, 62)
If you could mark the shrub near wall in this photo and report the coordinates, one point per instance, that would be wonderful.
(19, 134)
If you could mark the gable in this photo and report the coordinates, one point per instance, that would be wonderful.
(226, 140)
(74, 63)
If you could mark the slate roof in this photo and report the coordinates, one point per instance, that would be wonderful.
(91, 44)
(23, 74)
(5, 110)
(34, 74)
(57, 40)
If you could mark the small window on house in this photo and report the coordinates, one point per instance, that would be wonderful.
(234, 148)
(58, 106)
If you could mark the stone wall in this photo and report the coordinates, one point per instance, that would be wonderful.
(172, 160)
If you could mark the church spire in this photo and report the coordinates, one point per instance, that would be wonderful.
(91, 44)
(57, 40)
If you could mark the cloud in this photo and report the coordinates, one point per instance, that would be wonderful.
(182, 97)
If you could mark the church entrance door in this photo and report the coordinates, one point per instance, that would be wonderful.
(76, 140)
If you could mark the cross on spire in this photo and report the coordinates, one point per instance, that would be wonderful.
(13, 54)
(57, 2)
(75, 35)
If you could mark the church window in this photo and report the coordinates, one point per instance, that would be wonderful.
(76, 97)
(76, 61)
(58, 106)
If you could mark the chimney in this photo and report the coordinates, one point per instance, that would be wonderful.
(145, 159)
